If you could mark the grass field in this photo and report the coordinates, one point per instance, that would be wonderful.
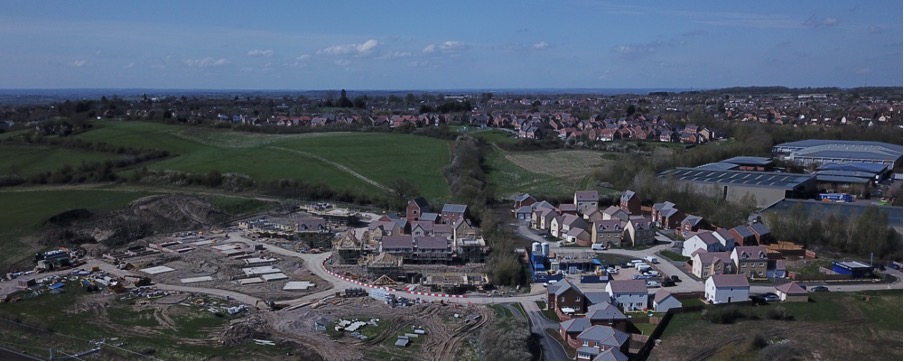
(28, 161)
(28, 210)
(350, 161)
(832, 326)
(555, 173)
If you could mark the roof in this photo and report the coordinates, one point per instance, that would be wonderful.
(814, 143)
(791, 288)
(707, 258)
(730, 281)
(718, 166)
(421, 203)
(759, 229)
(523, 197)
(724, 234)
(663, 205)
(611, 354)
(587, 196)
(542, 205)
(456, 208)
(605, 311)
(568, 207)
(743, 231)
(692, 219)
(398, 242)
(861, 167)
(841, 179)
(752, 251)
(608, 225)
(786, 181)
(857, 150)
(565, 285)
(612, 210)
(429, 216)
(708, 238)
(748, 160)
(596, 297)
(575, 325)
(431, 243)
(627, 195)
(661, 295)
(628, 286)
(604, 335)
(576, 232)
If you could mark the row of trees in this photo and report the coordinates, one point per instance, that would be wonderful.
(863, 235)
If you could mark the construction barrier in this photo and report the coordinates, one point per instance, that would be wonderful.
(443, 295)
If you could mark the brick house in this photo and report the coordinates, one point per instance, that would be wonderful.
(630, 202)
(750, 261)
(415, 208)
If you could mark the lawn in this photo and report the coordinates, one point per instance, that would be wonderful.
(29, 210)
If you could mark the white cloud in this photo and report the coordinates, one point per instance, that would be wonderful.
(303, 57)
(206, 62)
(360, 49)
(395, 54)
(445, 47)
(260, 53)
(815, 22)
(78, 63)
(540, 45)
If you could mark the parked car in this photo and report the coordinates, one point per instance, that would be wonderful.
(757, 299)
(668, 283)
(652, 284)
(819, 288)
(675, 278)
(771, 297)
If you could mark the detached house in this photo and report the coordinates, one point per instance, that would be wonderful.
(666, 216)
(726, 288)
(640, 231)
(663, 301)
(565, 223)
(452, 212)
(750, 261)
(599, 339)
(630, 202)
(415, 208)
(706, 264)
(614, 213)
(628, 294)
(608, 233)
(565, 298)
(705, 241)
(693, 223)
(585, 200)
(541, 218)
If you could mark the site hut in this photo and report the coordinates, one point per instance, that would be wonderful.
(765, 187)
(854, 269)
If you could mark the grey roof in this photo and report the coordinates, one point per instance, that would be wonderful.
(748, 160)
(627, 195)
(454, 208)
(522, 197)
(429, 216)
(398, 242)
(862, 167)
(575, 325)
(725, 234)
(743, 231)
(748, 178)
(869, 151)
(718, 166)
(708, 238)
(611, 354)
(692, 219)
(848, 173)
(587, 195)
(421, 202)
(564, 285)
(841, 179)
(661, 295)
(814, 143)
(542, 204)
(593, 351)
(608, 225)
(431, 243)
(604, 335)
(791, 288)
(524, 210)
(730, 280)
(596, 297)
(663, 205)
(628, 286)
(758, 228)
(605, 311)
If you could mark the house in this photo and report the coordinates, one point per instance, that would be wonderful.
(640, 231)
(415, 208)
(585, 200)
(750, 261)
(462, 229)
(705, 264)
(563, 224)
(452, 212)
(761, 233)
(400, 245)
(541, 218)
(568, 209)
(570, 329)
(706, 240)
(726, 288)
(523, 200)
(693, 223)
(606, 314)
(380, 229)
(666, 216)
(598, 339)
(791, 292)
(578, 236)
(663, 301)
(743, 235)
(630, 202)
(422, 228)
(611, 355)
(430, 217)
(523, 213)
(312, 225)
(726, 238)
(614, 213)
(593, 215)
(565, 298)
(607, 233)
(628, 294)
(776, 269)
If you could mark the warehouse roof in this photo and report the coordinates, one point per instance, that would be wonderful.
(748, 160)
(855, 150)
(841, 179)
(861, 167)
(750, 178)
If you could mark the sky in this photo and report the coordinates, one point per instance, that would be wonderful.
(462, 44)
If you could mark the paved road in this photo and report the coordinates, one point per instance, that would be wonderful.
(552, 350)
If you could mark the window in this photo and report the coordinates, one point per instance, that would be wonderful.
(586, 343)
(577, 299)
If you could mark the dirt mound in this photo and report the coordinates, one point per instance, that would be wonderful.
(145, 217)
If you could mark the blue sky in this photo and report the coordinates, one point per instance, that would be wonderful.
(312, 45)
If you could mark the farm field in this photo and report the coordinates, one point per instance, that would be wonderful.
(832, 326)
(27, 161)
(551, 173)
(361, 162)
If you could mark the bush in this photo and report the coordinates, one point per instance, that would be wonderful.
(727, 315)
(779, 314)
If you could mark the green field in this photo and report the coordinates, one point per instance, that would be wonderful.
(508, 178)
(346, 161)
(27, 161)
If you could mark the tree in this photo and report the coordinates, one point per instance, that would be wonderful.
(343, 101)
(400, 191)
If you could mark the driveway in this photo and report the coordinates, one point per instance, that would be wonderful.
(552, 350)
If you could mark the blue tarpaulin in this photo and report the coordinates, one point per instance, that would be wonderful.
(57, 285)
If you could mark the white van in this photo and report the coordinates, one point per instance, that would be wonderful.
(651, 259)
